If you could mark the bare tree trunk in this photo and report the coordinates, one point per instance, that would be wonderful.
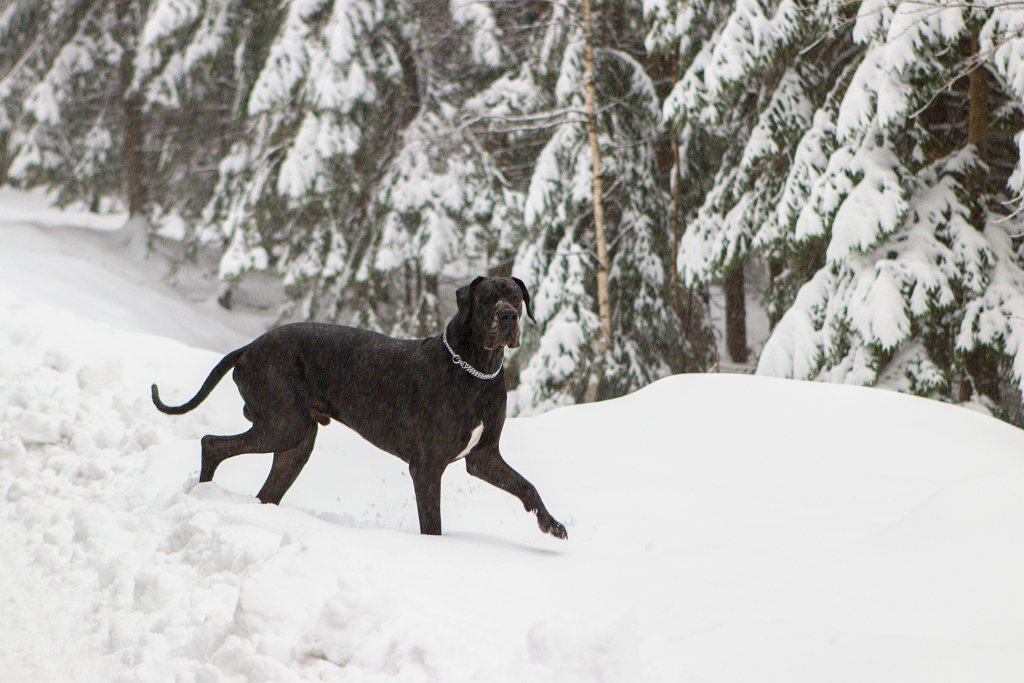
(131, 110)
(977, 96)
(677, 236)
(736, 315)
(973, 370)
(134, 168)
(681, 298)
(603, 299)
(4, 159)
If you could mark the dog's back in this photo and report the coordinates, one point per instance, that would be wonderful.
(388, 390)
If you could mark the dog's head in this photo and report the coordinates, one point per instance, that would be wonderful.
(492, 307)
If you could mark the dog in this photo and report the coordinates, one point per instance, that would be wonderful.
(428, 401)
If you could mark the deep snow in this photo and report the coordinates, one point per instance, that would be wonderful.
(721, 528)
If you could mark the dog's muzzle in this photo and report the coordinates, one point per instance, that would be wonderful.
(505, 328)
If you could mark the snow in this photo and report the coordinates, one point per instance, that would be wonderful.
(510, 94)
(995, 317)
(47, 259)
(743, 40)
(835, 533)
(795, 347)
(288, 60)
(875, 207)
(547, 174)
(810, 159)
(564, 312)
(204, 30)
(873, 17)
(478, 17)
(303, 167)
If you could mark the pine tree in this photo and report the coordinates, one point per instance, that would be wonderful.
(443, 210)
(71, 119)
(376, 153)
(332, 90)
(567, 362)
(353, 177)
(745, 93)
(890, 181)
(194, 65)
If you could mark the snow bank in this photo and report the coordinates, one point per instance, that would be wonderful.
(48, 259)
(721, 528)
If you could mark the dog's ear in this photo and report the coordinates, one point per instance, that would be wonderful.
(526, 297)
(464, 299)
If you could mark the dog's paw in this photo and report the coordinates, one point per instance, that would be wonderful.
(550, 525)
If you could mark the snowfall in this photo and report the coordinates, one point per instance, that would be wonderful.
(721, 527)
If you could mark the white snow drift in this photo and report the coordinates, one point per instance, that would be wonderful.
(721, 528)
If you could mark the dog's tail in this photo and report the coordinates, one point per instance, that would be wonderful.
(216, 375)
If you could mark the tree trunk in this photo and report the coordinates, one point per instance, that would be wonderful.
(590, 93)
(977, 96)
(976, 372)
(134, 168)
(131, 110)
(682, 299)
(736, 315)
(4, 158)
(676, 296)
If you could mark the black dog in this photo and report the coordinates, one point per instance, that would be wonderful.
(430, 402)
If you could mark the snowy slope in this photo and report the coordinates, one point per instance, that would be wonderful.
(78, 261)
(836, 534)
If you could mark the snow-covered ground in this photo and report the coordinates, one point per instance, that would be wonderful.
(721, 528)
(77, 261)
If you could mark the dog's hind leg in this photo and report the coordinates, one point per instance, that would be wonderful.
(216, 449)
(286, 468)
(263, 437)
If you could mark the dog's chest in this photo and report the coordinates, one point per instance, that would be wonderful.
(474, 439)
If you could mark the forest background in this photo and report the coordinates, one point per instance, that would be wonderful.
(849, 170)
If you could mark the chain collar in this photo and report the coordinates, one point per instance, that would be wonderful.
(457, 359)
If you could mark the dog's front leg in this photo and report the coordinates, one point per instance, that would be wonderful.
(426, 481)
(487, 464)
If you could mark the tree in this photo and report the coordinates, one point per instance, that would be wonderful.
(914, 255)
(348, 173)
(600, 237)
(562, 256)
(71, 118)
(443, 208)
(331, 91)
(195, 64)
(745, 91)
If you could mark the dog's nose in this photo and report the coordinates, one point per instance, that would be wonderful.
(508, 315)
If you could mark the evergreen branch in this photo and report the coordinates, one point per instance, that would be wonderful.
(45, 36)
(975, 61)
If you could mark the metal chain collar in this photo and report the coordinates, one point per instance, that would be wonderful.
(457, 359)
